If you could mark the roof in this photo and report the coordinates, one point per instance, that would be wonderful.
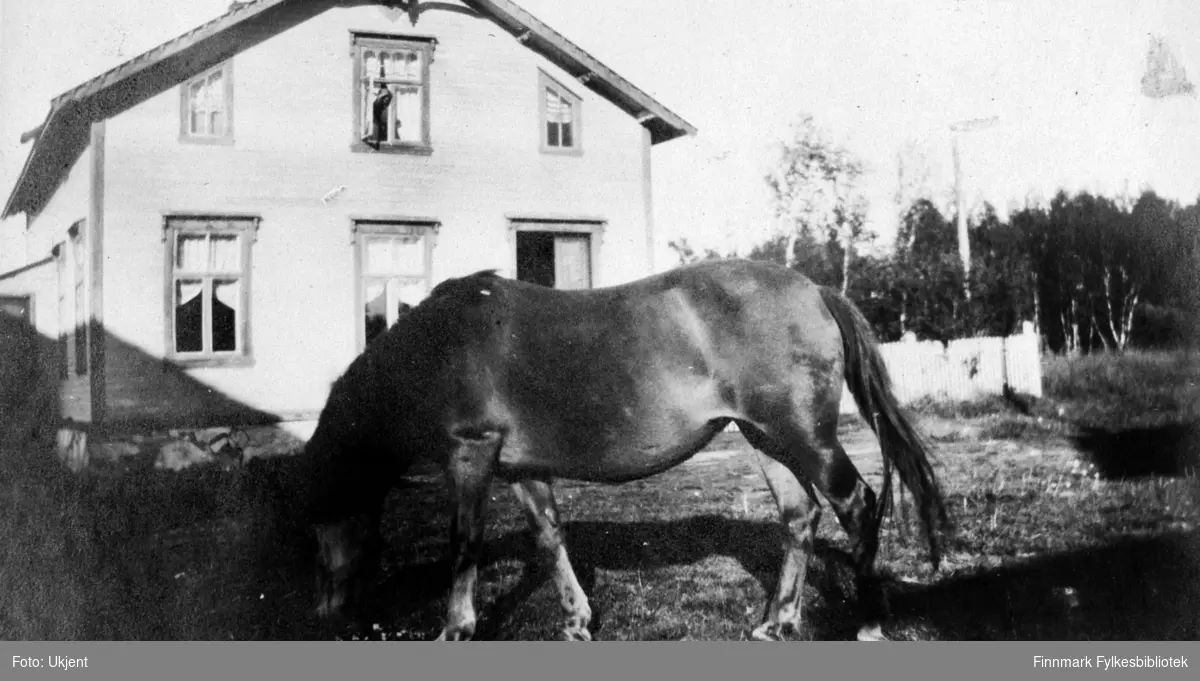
(66, 132)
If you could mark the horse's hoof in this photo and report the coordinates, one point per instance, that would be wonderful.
(777, 631)
(871, 633)
(328, 607)
(456, 635)
(576, 635)
(766, 632)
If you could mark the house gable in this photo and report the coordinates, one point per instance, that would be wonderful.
(66, 131)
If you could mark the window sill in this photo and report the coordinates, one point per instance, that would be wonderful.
(210, 361)
(561, 151)
(207, 141)
(403, 149)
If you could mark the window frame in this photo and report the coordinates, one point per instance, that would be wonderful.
(548, 82)
(246, 227)
(364, 227)
(361, 41)
(185, 133)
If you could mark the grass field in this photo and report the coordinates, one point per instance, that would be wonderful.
(1077, 520)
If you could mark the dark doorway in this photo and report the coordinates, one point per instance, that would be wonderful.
(535, 257)
(554, 259)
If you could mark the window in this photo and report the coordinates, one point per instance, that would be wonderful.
(560, 117)
(208, 282)
(18, 307)
(393, 263)
(206, 107)
(65, 334)
(77, 341)
(391, 93)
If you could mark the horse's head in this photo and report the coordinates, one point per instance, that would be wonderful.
(332, 489)
(370, 427)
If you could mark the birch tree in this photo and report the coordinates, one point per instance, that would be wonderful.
(815, 185)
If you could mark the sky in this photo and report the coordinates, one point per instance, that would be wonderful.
(878, 76)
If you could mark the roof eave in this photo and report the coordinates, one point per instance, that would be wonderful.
(18, 200)
(136, 80)
(664, 124)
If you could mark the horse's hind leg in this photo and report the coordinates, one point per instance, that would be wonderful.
(800, 514)
(469, 473)
(807, 445)
(538, 499)
(855, 504)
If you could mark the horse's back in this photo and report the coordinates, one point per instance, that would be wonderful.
(624, 380)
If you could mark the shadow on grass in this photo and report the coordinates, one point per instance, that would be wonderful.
(757, 546)
(69, 569)
(222, 577)
(413, 595)
(138, 556)
(1131, 589)
(1135, 589)
(1170, 450)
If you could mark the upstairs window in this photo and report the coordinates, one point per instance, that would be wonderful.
(391, 93)
(206, 107)
(560, 117)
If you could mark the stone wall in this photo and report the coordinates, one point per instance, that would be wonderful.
(177, 449)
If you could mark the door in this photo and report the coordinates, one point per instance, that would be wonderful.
(572, 261)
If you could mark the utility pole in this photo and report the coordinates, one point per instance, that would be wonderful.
(964, 245)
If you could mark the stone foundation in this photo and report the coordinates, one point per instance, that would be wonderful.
(177, 449)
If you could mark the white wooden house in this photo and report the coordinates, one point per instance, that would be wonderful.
(215, 228)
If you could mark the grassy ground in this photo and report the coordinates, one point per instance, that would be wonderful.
(1072, 524)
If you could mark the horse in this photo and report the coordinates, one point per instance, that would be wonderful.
(499, 379)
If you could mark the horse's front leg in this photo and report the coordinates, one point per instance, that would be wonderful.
(469, 473)
(347, 556)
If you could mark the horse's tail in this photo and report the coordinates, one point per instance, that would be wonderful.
(902, 444)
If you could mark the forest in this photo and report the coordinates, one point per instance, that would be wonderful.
(1091, 272)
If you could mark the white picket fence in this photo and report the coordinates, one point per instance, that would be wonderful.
(962, 370)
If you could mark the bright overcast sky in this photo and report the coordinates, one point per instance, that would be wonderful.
(1063, 77)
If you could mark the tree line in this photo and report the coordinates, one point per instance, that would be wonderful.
(1091, 272)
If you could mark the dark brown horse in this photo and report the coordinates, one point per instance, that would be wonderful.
(500, 379)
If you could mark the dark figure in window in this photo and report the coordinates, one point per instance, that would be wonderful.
(379, 116)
